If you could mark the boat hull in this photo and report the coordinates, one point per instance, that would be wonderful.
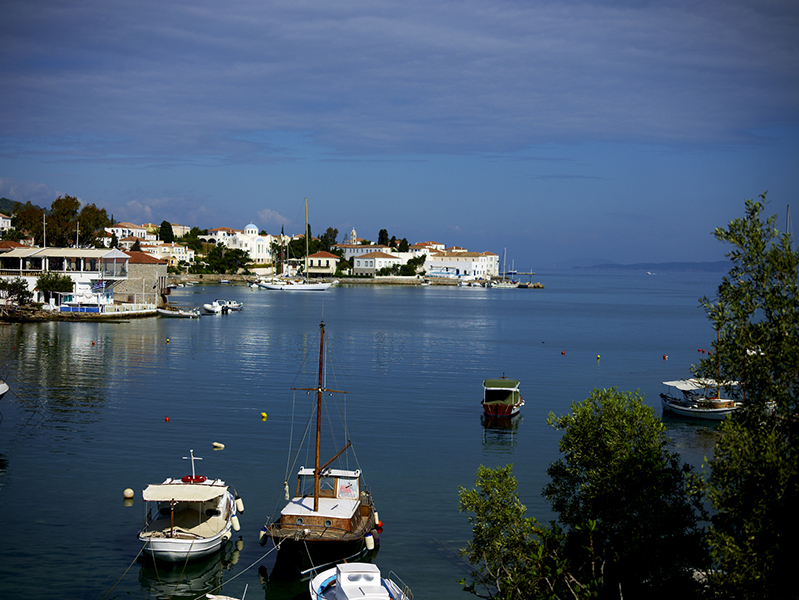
(307, 557)
(502, 410)
(324, 587)
(296, 287)
(178, 550)
(682, 409)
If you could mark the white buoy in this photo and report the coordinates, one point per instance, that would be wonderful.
(239, 504)
(219, 446)
(370, 542)
(127, 494)
(234, 520)
(262, 536)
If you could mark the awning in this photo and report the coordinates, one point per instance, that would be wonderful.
(689, 385)
(181, 492)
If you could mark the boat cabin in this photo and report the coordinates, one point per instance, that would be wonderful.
(340, 505)
(500, 391)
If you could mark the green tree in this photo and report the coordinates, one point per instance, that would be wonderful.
(413, 266)
(516, 558)
(15, 290)
(114, 240)
(382, 237)
(165, 233)
(62, 224)
(753, 483)
(12, 235)
(616, 470)
(49, 283)
(227, 260)
(403, 245)
(28, 218)
(92, 221)
(328, 239)
(136, 246)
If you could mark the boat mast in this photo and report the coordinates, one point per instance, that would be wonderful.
(306, 281)
(319, 388)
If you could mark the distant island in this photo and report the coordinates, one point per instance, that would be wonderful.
(715, 267)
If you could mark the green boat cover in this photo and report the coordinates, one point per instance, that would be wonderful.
(501, 391)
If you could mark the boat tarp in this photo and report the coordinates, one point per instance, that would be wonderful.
(182, 492)
(501, 391)
(689, 385)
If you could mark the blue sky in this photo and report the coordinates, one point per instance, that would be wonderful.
(566, 131)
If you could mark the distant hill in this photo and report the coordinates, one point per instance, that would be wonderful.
(720, 266)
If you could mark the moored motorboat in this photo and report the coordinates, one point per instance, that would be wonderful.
(3, 388)
(188, 517)
(331, 516)
(363, 581)
(220, 306)
(178, 312)
(501, 397)
(700, 399)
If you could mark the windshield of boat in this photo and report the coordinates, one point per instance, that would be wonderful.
(331, 486)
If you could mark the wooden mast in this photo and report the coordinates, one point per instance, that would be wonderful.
(306, 277)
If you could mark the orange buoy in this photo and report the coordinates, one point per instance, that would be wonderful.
(563, 353)
(166, 419)
(665, 357)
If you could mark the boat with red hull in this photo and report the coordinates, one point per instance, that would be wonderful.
(501, 397)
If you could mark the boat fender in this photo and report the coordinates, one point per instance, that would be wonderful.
(239, 504)
(127, 494)
(195, 479)
(370, 542)
(234, 520)
(377, 518)
(262, 536)
(218, 446)
(286, 490)
(375, 536)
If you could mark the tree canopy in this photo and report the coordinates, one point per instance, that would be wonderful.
(165, 233)
(66, 224)
(753, 483)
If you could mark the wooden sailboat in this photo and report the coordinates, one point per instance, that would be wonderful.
(331, 516)
(304, 285)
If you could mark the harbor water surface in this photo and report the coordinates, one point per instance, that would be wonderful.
(99, 407)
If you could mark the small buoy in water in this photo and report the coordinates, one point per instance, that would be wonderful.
(128, 493)
(239, 504)
(92, 342)
(234, 520)
(370, 542)
(597, 356)
(665, 357)
(167, 340)
(218, 446)
(263, 416)
(563, 353)
(166, 419)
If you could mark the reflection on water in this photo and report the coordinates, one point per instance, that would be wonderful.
(693, 439)
(500, 433)
(188, 581)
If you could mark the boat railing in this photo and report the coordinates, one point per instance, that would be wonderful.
(407, 594)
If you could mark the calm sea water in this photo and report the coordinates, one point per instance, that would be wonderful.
(87, 416)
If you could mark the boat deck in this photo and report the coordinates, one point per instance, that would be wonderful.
(188, 523)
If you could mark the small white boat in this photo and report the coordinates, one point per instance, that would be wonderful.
(220, 306)
(700, 399)
(3, 388)
(363, 581)
(179, 313)
(291, 285)
(189, 517)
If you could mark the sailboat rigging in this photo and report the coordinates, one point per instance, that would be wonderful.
(331, 516)
(304, 285)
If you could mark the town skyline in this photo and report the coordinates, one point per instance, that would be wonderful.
(563, 132)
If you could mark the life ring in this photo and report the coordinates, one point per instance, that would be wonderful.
(195, 479)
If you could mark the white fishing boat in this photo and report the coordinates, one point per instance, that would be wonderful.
(361, 581)
(331, 516)
(3, 388)
(188, 517)
(175, 312)
(501, 397)
(303, 285)
(700, 399)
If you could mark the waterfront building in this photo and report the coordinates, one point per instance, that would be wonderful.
(322, 264)
(123, 230)
(146, 282)
(354, 250)
(461, 265)
(258, 247)
(171, 253)
(369, 264)
(94, 272)
(5, 222)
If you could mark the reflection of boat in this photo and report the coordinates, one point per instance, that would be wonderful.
(220, 306)
(701, 399)
(179, 313)
(500, 433)
(331, 516)
(189, 581)
(501, 397)
(357, 580)
(189, 517)
(290, 285)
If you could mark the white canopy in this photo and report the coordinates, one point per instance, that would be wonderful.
(689, 385)
(182, 492)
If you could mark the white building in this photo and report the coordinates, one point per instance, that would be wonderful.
(354, 250)
(123, 230)
(94, 273)
(462, 265)
(369, 264)
(259, 247)
(171, 253)
(5, 222)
